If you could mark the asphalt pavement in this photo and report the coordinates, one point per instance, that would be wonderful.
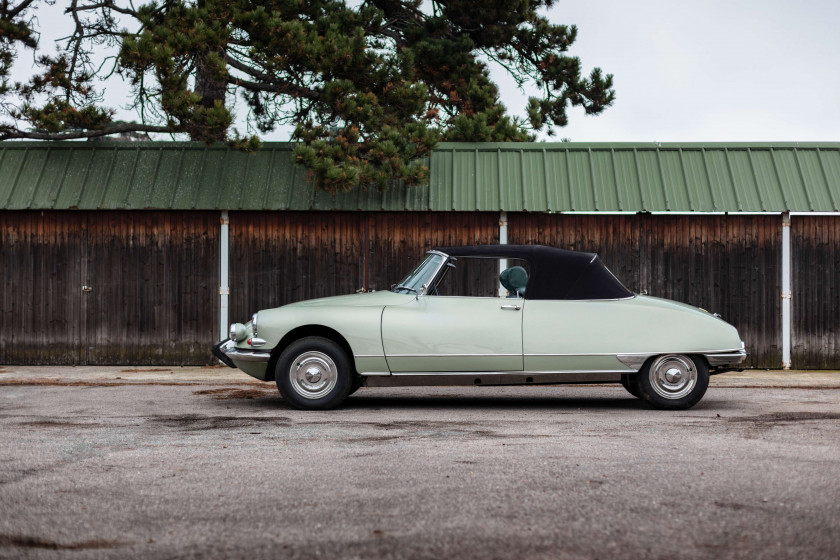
(207, 463)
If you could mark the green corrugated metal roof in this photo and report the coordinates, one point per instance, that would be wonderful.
(173, 175)
(537, 177)
(690, 177)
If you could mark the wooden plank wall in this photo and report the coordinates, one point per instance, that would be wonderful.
(41, 266)
(283, 257)
(399, 240)
(153, 279)
(727, 264)
(815, 286)
(155, 274)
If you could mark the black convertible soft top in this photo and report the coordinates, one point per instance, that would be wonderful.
(555, 273)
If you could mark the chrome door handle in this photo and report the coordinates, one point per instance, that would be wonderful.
(513, 307)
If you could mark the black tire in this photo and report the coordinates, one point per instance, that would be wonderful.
(314, 373)
(673, 381)
(357, 384)
(629, 382)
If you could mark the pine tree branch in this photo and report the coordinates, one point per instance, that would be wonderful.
(267, 82)
(106, 4)
(18, 9)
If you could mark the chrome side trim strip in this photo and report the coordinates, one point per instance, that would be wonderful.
(656, 353)
(633, 361)
(589, 300)
(493, 379)
(513, 372)
(452, 355)
(375, 373)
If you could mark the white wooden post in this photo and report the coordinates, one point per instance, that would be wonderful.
(786, 290)
(503, 240)
(224, 280)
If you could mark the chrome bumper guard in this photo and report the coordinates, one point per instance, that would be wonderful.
(715, 359)
(726, 358)
(227, 351)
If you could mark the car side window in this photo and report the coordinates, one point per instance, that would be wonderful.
(480, 277)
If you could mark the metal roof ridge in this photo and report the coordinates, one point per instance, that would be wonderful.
(441, 146)
(537, 146)
(153, 144)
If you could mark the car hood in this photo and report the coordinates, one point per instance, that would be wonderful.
(369, 299)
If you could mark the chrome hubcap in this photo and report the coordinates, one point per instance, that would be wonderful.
(313, 375)
(673, 376)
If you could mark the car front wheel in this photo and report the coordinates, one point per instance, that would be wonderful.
(314, 373)
(673, 381)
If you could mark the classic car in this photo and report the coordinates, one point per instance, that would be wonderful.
(488, 315)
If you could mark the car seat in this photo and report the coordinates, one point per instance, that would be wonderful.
(514, 279)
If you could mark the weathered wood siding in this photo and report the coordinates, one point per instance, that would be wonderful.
(283, 257)
(727, 264)
(154, 275)
(399, 240)
(41, 262)
(153, 279)
(815, 285)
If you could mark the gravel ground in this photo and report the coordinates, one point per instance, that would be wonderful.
(189, 468)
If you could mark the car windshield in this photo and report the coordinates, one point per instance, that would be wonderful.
(413, 283)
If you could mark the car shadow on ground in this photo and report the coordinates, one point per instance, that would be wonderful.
(382, 399)
(560, 403)
(523, 402)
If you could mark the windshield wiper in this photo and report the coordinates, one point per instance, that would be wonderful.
(402, 287)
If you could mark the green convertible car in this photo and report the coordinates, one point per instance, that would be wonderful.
(488, 315)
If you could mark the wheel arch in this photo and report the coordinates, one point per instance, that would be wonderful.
(701, 358)
(302, 332)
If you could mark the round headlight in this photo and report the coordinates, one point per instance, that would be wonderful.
(237, 332)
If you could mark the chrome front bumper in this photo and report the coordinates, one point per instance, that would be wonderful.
(227, 351)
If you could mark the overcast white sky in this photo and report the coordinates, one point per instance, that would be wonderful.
(710, 70)
(689, 70)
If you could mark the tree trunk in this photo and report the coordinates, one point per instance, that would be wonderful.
(211, 90)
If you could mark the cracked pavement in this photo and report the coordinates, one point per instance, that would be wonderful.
(220, 467)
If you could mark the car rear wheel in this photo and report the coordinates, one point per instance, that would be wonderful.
(673, 381)
(629, 383)
(314, 373)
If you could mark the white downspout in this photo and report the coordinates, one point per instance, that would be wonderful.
(224, 280)
(503, 240)
(786, 291)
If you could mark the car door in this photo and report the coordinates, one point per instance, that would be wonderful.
(577, 336)
(453, 334)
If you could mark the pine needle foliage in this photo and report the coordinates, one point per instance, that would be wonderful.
(369, 87)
